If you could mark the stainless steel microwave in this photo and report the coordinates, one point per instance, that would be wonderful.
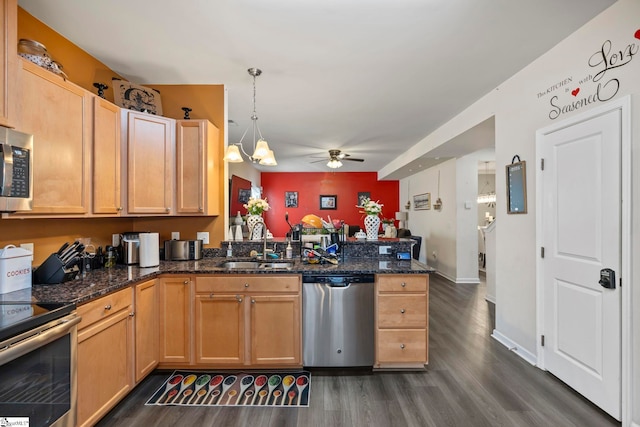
(16, 170)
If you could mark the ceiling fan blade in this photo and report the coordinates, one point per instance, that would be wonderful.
(353, 160)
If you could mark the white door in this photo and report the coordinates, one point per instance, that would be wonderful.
(581, 233)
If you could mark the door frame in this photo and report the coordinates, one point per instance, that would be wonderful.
(624, 105)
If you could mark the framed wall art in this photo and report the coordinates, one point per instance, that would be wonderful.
(290, 199)
(422, 201)
(329, 202)
(362, 195)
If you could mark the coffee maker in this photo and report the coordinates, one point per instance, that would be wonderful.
(129, 249)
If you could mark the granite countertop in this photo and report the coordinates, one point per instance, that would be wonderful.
(104, 281)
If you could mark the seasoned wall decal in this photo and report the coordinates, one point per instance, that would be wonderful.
(135, 97)
(600, 84)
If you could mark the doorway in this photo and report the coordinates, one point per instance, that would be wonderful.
(583, 231)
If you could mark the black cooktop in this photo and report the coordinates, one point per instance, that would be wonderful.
(17, 317)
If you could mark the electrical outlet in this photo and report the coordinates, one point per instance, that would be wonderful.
(175, 235)
(204, 236)
(434, 255)
(384, 250)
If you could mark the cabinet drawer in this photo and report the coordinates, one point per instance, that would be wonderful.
(104, 307)
(402, 311)
(252, 283)
(402, 283)
(400, 346)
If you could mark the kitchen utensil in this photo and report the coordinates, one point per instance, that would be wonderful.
(245, 383)
(301, 383)
(186, 382)
(274, 381)
(62, 248)
(259, 382)
(247, 396)
(213, 384)
(287, 382)
(200, 382)
(231, 394)
(226, 385)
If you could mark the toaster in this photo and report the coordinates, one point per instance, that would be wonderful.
(182, 250)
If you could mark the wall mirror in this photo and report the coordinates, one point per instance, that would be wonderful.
(517, 188)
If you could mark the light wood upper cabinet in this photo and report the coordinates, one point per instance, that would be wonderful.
(146, 329)
(8, 60)
(106, 158)
(58, 114)
(105, 354)
(149, 165)
(198, 190)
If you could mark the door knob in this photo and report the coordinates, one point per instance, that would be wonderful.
(607, 278)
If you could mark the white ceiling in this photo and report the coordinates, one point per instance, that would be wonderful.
(370, 77)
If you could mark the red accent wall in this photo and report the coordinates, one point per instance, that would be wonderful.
(310, 185)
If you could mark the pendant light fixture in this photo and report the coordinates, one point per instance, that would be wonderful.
(262, 154)
(489, 197)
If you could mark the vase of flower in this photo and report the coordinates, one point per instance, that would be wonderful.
(371, 221)
(372, 226)
(255, 207)
(254, 229)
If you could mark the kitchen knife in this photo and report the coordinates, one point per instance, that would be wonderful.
(71, 252)
(62, 248)
(69, 249)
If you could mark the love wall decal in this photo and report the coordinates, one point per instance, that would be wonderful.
(575, 92)
(637, 34)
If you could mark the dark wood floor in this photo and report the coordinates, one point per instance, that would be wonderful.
(472, 380)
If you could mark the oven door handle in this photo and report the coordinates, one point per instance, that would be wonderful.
(27, 342)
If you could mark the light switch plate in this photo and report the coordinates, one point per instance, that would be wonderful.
(175, 235)
(204, 236)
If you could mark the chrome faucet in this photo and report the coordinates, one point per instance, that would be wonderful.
(264, 237)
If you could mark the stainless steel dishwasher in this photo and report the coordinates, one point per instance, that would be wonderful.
(338, 320)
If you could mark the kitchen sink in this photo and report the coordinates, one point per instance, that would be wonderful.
(251, 265)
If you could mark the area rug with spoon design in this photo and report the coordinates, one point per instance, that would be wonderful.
(274, 388)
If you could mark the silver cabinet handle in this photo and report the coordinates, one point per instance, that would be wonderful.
(107, 307)
(403, 284)
(253, 301)
(119, 208)
(402, 346)
(402, 310)
(186, 282)
(168, 210)
(238, 298)
(132, 314)
(246, 285)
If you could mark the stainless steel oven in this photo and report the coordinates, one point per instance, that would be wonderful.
(38, 345)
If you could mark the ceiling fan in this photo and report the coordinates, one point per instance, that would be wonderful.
(336, 157)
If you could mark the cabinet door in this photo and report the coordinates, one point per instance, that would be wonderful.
(57, 113)
(105, 351)
(198, 168)
(106, 157)
(275, 330)
(175, 320)
(149, 164)
(146, 329)
(219, 329)
(8, 59)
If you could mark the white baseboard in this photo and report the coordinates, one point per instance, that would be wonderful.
(490, 298)
(635, 424)
(513, 346)
(470, 280)
(449, 278)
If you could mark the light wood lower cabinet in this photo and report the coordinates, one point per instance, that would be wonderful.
(146, 328)
(248, 320)
(402, 320)
(105, 355)
(175, 294)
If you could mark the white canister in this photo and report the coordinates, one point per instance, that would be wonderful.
(149, 249)
(15, 269)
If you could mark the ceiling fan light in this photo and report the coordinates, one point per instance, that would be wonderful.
(269, 159)
(262, 149)
(232, 154)
(334, 163)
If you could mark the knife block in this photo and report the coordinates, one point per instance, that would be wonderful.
(52, 272)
